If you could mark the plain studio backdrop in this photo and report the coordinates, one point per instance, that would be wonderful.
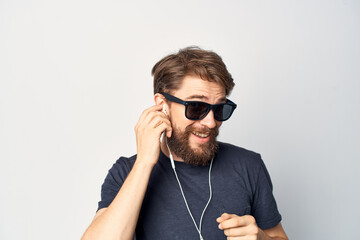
(75, 77)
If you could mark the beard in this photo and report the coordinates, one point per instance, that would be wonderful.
(201, 156)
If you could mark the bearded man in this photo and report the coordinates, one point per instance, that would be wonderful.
(183, 183)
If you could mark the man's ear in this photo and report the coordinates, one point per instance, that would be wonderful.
(159, 99)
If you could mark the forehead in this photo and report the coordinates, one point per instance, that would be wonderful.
(193, 87)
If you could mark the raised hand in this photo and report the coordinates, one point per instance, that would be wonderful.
(151, 124)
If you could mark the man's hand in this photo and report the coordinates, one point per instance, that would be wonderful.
(236, 227)
(151, 124)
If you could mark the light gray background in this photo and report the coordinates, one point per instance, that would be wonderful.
(75, 77)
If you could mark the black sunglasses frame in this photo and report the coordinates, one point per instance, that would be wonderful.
(209, 106)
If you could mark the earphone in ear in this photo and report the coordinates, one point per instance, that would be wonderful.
(162, 134)
(171, 157)
(164, 111)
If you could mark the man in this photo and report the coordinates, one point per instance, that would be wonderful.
(207, 189)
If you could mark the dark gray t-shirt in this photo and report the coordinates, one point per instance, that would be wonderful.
(240, 185)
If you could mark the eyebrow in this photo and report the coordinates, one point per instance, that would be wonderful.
(202, 97)
(196, 96)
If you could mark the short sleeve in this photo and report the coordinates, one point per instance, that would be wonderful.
(264, 208)
(113, 181)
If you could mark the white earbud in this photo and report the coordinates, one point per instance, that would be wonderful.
(164, 111)
(171, 157)
(162, 134)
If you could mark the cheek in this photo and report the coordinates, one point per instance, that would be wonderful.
(178, 119)
(181, 124)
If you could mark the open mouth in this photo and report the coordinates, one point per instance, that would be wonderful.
(202, 135)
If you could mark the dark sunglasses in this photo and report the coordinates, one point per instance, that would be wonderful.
(196, 110)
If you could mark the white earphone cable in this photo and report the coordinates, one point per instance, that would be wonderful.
(183, 195)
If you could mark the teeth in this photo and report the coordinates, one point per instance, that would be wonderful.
(203, 135)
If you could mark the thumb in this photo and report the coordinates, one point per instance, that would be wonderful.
(169, 132)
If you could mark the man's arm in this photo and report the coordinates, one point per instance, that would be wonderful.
(275, 233)
(245, 227)
(119, 220)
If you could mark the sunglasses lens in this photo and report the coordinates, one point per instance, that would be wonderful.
(196, 110)
(223, 112)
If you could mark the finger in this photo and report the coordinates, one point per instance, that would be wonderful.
(235, 232)
(146, 112)
(149, 117)
(162, 127)
(160, 120)
(248, 231)
(169, 133)
(154, 110)
(234, 221)
(150, 127)
(238, 221)
(166, 120)
(157, 114)
(223, 217)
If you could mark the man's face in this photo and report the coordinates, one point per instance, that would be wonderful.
(195, 141)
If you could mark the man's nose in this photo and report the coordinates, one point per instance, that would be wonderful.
(209, 120)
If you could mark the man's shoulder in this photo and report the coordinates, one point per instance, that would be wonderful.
(228, 148)
(230, 153)
(127, 160)
(124, 164)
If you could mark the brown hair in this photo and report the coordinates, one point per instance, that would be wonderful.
(171, 70)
